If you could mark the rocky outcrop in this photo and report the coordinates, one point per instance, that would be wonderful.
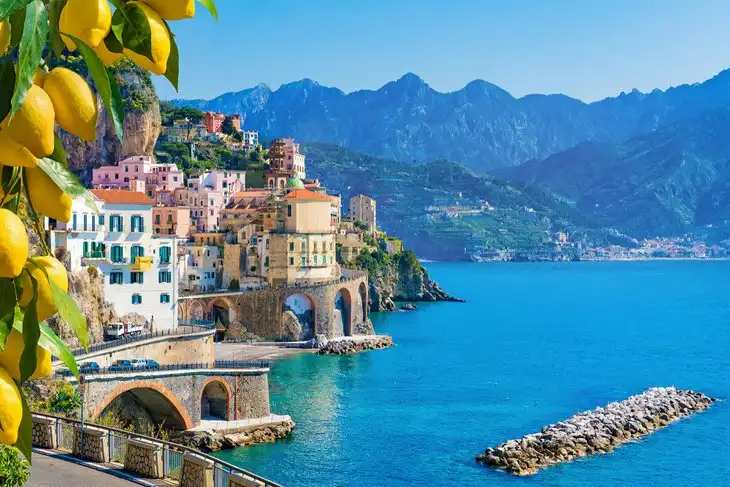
(208, 441)
(291, 328)
(349, 346)
(596, 431)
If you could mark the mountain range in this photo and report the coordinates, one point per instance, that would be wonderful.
(481, 125)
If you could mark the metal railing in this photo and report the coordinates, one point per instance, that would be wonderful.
(179, 331)
(218, 364)
(172, 453)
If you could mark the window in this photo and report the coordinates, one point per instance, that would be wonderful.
(169, 218)
(304, 261)
(86, 217)
(73, 222)
(126, 180)
(291, 260)
(315, 246)
(116, 223)
(137, 251)
(174, 178)
(136, 299)
(137, 223)
(101, 219)
(126, 168)
(267, 245)
(157, 230)
(137, 277)
(291, 246)
(157, 219)
(164, 298)
(86, 249)
(315, 260)
(93, 223)
(164, 276)
(116, 176)
(117, 254)
(288, 210)
(266, 262)
(116, 277)
(164, 255)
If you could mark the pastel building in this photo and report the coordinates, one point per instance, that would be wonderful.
(304, 248)
(171, 220)
(214, 122)
(285, 162)
(363, 208)
(250, 138)
(202, 265)
(139, 270)
(138, 168)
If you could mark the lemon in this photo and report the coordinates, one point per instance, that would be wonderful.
(14, 154)
(173, 9)
(45, 307)
(47, 198)
(107, 57)
(11, 409)
(4, 36)
(73, 102)
(13, 244)
(88, 20)
(160, 43)
(32, 125)
(10, 358)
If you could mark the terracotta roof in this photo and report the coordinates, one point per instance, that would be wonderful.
(305, 194)
(123, 197)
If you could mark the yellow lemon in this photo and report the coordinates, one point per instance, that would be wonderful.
(47, 198)
(37, 77)
(4, 36)
(107, 57)
(173, 9)
(88, 20)
(14, 154)
(11, 409)
(32, 125)
(45, 307)
(73, 102)
(160, 43)
(13, 244)
(10, 358)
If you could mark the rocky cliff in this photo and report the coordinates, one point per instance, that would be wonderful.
(142, 124)
(398, 277)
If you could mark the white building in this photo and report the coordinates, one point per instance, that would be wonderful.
(295, 160)
(202, 265)
(139, 270)
(250, 138)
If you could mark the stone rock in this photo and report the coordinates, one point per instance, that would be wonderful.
(349, 346)
(291, 328)
(408, 307)
(596, 431)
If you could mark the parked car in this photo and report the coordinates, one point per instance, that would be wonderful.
(89, 368)
(139, 363)
(152, 364)
(120, 365)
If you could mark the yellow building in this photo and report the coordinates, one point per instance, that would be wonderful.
(303, 249)
(362, 208)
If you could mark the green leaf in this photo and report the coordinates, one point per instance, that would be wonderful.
(17, 20)
(7, 310)
(59, 153)
(50, 341)
(7, 7)
(31, 333)
(25, 432)
(132, 28)
(7, 82)
(105, 84)
(173, 62)
(70, 313)
(35, 33)
(118, 3)
(64, 179)
(112, 43)
(54, 14)
(210, 5)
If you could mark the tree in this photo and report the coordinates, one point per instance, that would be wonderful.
(227, 127)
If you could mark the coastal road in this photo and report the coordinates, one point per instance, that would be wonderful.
(245, 351)
(48, 471)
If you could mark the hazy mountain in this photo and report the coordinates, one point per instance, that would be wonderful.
(669, 182)
(481, 125)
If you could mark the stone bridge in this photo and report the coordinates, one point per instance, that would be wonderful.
(292, 312)
(180, 398)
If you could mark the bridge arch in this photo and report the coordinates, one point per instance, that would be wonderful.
(221, 309)
(343, 304)
(304, 307)
(215, 399)
(161, 403)
(363, 291)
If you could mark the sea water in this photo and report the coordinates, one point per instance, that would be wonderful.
(533, 344)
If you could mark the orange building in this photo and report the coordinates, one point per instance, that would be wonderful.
(171, 220)
(214, 122)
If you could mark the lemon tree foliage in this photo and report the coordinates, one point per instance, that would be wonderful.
(38, 94)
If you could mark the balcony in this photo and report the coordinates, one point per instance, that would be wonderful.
(95, 255)
(142, 264)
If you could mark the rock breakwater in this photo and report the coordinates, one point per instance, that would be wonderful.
(595, 431)
(208, 441)
(349, 346)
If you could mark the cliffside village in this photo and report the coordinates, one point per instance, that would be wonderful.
(159, 235)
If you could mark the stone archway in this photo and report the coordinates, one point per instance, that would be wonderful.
(196, 310)
(221, 310)
(342, 316)
(362, 290)
(299, 317)
(215, 400)
(151, 402)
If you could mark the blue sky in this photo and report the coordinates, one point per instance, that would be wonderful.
(588, 49)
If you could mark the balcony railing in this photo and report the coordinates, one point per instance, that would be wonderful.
(142, 264)
(97, 254)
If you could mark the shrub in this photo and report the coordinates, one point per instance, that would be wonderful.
(234, 285)
(14, 469)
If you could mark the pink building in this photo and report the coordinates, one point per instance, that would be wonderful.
(173, 220)
(205, 205)
(214, 122)
(138, 168)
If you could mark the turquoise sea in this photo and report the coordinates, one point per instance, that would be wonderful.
(534, 344)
